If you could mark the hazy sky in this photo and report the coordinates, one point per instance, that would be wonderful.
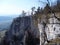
(10, 7)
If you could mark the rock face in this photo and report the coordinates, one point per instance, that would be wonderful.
(53, 28)
(50, 31)
(22, 32)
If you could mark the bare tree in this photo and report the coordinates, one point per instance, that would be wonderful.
(33, 9)
(23, 13)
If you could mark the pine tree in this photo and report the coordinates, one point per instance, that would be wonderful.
(23, 13)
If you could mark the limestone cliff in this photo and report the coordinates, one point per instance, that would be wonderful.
(22, 31)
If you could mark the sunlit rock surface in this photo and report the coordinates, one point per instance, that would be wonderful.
(52, 29)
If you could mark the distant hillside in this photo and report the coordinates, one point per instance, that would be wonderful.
(5, 18)
(5, 22)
